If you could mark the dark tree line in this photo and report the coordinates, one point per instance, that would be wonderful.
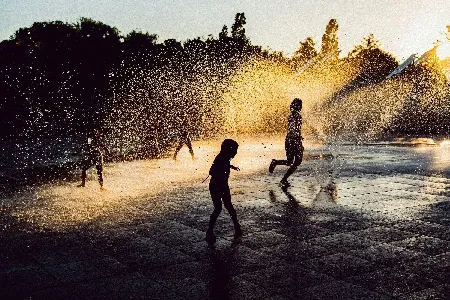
(60, 79)
(54, 75)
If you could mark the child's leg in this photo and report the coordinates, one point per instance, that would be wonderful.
(83, 176)
(296, 162)
(215, 196)
(226, 198)
(189, 144)
(294, 153)
(276, 162)
(99, 168)
(86, 164)
(180, 145)
(285, 162)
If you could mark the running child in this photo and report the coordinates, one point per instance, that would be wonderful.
(293, 143)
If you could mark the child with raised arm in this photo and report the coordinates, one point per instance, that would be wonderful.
(293, 143)
(219, 189)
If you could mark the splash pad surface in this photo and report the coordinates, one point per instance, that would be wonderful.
(358, 222)
(365, 177)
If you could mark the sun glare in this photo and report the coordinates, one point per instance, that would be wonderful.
(443, 51)
(445, 143)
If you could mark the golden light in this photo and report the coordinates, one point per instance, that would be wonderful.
(437, 152)
(445, 143)
(258, 98)
(443, 51)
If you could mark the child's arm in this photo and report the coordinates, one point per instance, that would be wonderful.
(235, 168)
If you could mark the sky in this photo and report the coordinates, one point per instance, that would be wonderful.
(403, 27)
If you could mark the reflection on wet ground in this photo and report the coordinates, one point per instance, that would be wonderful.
(358, 222)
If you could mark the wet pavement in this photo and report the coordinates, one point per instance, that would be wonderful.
(371, 223)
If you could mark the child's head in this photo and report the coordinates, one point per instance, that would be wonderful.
(296, 105)
(229, 148)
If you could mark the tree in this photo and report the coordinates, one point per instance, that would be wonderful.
(238, 30)
(224, 33)
(137, 41)
(371, 62)
(194, 47)
(424, 110)
(305, 52)
(39, 58)
(369, 43)
(96, 52)
(172, 48)
(330, 39)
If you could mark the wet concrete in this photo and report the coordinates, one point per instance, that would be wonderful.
(371, 223)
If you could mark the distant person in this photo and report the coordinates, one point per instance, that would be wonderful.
(293, 143)
(156, 138)
(184, 138)
(93, 155)
(219, 189)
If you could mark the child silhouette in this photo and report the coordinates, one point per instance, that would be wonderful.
(293, 143)
(219, 189)
(95, 149)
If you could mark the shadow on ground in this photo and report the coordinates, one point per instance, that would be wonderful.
(355, 234)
